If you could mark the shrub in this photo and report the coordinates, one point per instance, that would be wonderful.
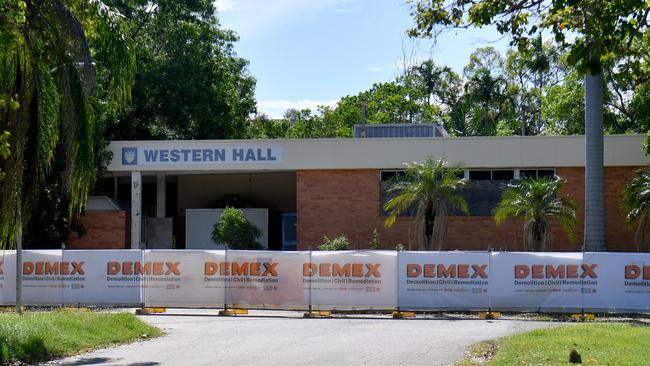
(235, 231)
(338, 243)
(400, 247)
(375, 243)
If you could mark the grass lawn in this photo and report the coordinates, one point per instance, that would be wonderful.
(597, 343)
(40, 336)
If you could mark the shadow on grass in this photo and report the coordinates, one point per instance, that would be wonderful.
(104, 361)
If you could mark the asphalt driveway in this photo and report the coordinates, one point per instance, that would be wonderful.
(197, 337)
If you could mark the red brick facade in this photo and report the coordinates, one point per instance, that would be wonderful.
(103, 230)
(334, 202)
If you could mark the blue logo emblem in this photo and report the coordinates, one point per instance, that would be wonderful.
(129, 156)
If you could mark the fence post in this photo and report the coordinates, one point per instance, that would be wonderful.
(309, 281)
(19, 258)
(225, 287)
(143, 280)
(397, 283)
(490, 278)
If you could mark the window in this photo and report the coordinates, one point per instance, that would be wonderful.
(482, 192)
(503, 174)
(387, 175)
(536, 173)
(480, 175)
(500, 174)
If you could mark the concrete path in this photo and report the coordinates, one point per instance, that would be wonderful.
(197, 337)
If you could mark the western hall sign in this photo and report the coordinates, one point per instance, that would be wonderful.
(187, 155)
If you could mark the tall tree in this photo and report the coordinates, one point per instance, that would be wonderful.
(594, 33)
(48, 54)
(190, 84)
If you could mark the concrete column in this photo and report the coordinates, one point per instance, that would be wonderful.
(115, 188)
(594, 240)
(136, 209)
(161, 193)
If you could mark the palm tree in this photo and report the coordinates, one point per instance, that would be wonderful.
(432, 189)
(57, 58)
(636, 204)
(536, 201)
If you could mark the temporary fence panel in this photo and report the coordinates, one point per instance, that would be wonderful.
(265, 279)
(352, 279)
(623, 282)
(612, 282)
(45, 275)
(104, 277)
(539, 281)
(7, 277)
(444, 280)
(181, 278)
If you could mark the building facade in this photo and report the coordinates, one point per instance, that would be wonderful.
(298, 191)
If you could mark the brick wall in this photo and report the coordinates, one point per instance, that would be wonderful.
(103, 230)
(332, 202)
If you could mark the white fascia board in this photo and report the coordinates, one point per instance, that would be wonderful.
(370, 153)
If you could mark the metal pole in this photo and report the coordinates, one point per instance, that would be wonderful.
(225, 285)
(363, 119)
(309, 279)
(397, 287)
(19, 257)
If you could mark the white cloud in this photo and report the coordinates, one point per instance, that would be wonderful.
(227, 5)
(276, 108)
(250, 17)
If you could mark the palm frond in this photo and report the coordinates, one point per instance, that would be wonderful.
(431, 187)
(536, 201)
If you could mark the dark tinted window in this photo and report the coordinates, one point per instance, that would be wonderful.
(503, 174)
(388, 175)
(480, 175)
(545, 173)
(528, 173)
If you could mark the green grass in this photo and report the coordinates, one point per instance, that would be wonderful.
(44, 335)
(597, 343)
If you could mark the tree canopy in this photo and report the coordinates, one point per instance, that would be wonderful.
(50, 52)
(190, 84)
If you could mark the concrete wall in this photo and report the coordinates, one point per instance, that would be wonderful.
(334, 202)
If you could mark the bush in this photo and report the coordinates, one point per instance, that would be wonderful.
(400, 247)
(235, 231)
(375, 243)
(338, 243)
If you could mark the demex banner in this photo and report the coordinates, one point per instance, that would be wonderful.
(444, 280)
(535, 281)
(346, 279)
(517, 281)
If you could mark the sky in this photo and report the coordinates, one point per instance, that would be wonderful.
(306, 53)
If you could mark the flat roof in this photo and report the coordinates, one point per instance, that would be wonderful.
(199, 156)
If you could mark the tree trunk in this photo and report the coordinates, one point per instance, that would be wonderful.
(594, 239)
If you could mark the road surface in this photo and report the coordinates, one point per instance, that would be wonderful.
(197, 337)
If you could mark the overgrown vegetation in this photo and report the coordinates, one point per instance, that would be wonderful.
(636, 205)
(375, 242)
(537, 202)
(339, 243)
(235, 231)
(35, 337)
(597, 344)
(431, 188)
